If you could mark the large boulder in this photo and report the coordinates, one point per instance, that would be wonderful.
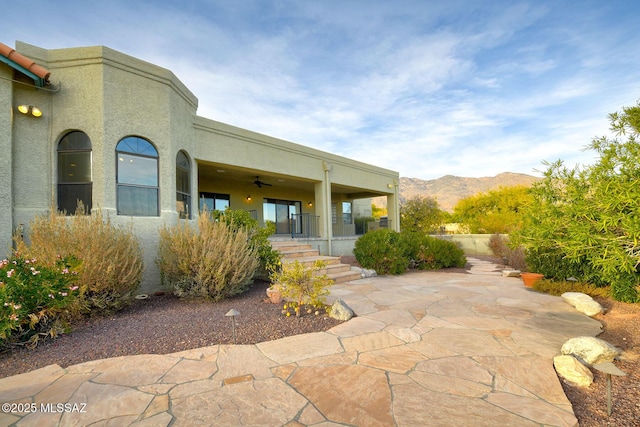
(590, 350)
(583, 303)
(340, 310)
(574, 372)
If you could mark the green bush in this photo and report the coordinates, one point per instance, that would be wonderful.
(553, 263)
(381, 250)
(390, 252)
(36, 300)
(217, 260)
(111, 256)
(269, 259)
(429, 253)
(583, 221)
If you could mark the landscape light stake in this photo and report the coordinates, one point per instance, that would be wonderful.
(609, 369)
(233, 313)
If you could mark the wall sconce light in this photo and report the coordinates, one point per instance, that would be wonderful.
(30, 109)
(310, 204)
(389, 186)
(249, 198)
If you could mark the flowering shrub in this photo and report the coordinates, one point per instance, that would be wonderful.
(36, 300)
(302, 286)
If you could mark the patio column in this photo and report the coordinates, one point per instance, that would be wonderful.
(323, 205)
(393, 207)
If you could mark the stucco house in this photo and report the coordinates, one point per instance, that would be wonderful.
(122, 135)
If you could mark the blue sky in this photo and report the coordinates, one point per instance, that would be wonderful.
(426, 88)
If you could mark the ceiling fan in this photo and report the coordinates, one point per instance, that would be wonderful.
(260, 183)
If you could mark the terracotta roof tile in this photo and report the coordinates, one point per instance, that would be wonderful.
(24, 62)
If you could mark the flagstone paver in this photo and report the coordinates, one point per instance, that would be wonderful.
(425, 348)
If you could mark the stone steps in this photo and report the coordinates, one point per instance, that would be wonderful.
(295, 251)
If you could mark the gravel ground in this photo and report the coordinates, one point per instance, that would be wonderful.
(165, 324)
(621, 328)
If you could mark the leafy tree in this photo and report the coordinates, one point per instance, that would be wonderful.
(497, 211)
(420, 214)
(377, 212)
(586, 221)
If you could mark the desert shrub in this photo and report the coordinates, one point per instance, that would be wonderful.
(111, 257)
(515, 256)
(498, 245)
(217, 260)
(269, 259)
(382, 251)
(429, 253)
(390, 252)
(36, 300)
(559, 287)
(302, 286)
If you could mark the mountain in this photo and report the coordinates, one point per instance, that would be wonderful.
(448, 189)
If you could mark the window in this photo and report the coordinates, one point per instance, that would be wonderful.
(74, 172)
(183, 185)
(346, 213)
(214, 201)
(137, 177)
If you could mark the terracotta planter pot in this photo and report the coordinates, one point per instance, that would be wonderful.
(274, 295)
(530, 279)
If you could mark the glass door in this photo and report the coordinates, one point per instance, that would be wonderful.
(279, 212)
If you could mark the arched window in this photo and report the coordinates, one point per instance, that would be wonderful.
(183, 185)
(74, 172)
(137, 177)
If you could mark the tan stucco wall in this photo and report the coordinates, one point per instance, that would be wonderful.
(6, 175)
(109, 95)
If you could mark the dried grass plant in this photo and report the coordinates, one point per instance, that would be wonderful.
(111, 256)
(215, 260)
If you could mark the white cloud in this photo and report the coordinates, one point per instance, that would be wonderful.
(425, 88)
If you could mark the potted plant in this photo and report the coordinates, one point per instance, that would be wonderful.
(274, 292)
(530, 279)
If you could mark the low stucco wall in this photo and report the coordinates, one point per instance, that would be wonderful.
(471, 244)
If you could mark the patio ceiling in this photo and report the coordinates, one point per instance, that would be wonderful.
(244, 176)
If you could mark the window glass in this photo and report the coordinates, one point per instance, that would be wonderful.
(137, 176)
(137, 201)
(137, 170)
(183, 186)
(74, 172)
(346, 212)
(74, 166)
(214, 201)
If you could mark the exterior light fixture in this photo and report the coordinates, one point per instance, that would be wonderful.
(310, 204)
(249, 198)
(30, 109)
(232, 314)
